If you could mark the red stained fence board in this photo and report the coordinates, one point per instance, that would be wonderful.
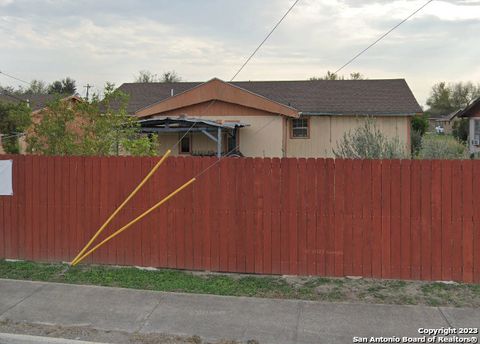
(373, 218)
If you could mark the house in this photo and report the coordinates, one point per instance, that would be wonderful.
(38, 103)
(472, 112)
(35, 101)
(447, 121)
(269, 118)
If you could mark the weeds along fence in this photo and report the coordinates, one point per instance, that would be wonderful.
(372, 218)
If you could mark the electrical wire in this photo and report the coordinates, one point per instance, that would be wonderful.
(233, 149)
(8, 94)
(382, 37)
(338, 70)
(241, 68)
(266, 38)
(15, 78)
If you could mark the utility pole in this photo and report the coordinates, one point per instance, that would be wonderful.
(88, 87)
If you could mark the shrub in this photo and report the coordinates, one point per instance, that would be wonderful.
(416, 140)
(368, 142)
(460, 130)
(14, 119)
(420, 124)
(442, 147)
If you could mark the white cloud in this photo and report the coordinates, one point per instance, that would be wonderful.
(110, 40)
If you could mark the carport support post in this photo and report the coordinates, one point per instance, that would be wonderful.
(219, 142)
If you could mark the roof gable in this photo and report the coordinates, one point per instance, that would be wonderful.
(216, 89)
(473, 110)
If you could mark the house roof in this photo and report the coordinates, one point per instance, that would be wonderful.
(450, 116)
(36, 101)
(177, 121)
(471, 110)
(314, 97)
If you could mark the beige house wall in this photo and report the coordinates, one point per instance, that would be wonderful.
(326, 131)
(1, 146)
(166, 141)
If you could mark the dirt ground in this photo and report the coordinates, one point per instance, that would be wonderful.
(114, 337)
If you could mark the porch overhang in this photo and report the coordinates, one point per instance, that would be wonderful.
(183, 124)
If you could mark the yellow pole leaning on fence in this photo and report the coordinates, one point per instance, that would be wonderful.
(134, 221)
(147, 177)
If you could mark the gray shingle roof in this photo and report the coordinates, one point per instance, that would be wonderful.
(349, 97)
(36, 101)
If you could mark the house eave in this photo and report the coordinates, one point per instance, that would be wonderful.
(382, 114)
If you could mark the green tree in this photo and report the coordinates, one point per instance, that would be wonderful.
(146, 76)
(55, 134)
(328, 76)
(65, 86)
(463, 94)
(356, 76)
(36, 87)
(334, 76)
(171, 76)
(55, 87)
(419, 128)
(101, 127)
(109, 130)
(445, 98)
(368, 142)
(439, 101)
(416, 142)
(420, 124)
(10, 90)
(14, 120)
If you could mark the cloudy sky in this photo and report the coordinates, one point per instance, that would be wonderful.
(94, 41)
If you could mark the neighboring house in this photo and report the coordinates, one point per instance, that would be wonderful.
(269, 118)
(37, 103)
(447, 121)
(472, 112)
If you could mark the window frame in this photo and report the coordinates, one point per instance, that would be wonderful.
(476, 127)
(189, 136)
(292, 136)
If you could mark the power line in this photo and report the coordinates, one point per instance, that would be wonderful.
(234, 149)
(266, 38)
(13, 77)
(243, 66)
(382, 37)
(346, 64)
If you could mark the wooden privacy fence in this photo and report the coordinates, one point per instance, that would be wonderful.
(373, 218)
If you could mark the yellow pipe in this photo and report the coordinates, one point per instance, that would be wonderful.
(134, 221)
(147, 177)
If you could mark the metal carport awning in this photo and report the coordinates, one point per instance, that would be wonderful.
(183, 124)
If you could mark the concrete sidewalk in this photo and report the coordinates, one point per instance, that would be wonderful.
(7, 338)
(217, 317)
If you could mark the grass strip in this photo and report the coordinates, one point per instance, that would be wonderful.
(305, 288)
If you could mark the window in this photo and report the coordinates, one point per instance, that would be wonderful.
(300, 128)
(232, 141)
(186, 145)
(477, 129)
